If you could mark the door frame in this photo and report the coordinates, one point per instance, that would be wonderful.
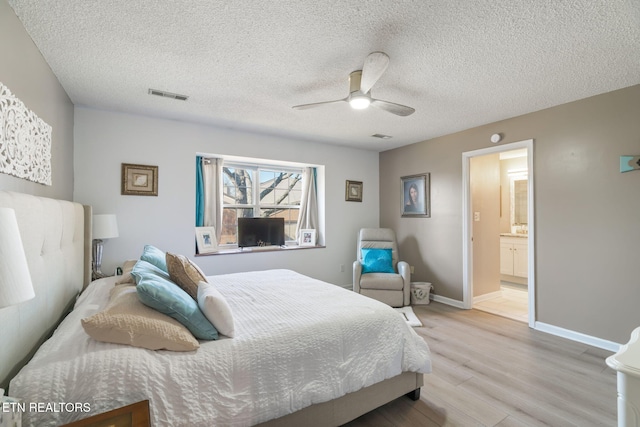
(467, 223)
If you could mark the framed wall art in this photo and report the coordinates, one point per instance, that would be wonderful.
(25, 140)
(415, 196)
(206, 240)
(139, 180)
(307, 237)
(353, 191)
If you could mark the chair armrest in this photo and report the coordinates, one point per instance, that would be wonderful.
(404, 269)
(357, 272)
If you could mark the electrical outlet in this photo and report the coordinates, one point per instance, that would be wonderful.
(476, 216)
(341, 268)
(412, 269)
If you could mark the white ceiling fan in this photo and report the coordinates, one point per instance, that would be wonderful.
(360, 84)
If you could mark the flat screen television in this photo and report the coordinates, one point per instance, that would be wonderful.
(260, 232)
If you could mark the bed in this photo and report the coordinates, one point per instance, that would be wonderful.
(304, 352)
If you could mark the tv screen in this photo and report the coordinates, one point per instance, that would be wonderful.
(260, 232)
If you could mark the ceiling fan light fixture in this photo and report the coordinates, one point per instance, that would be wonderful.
(359, 102)
(360, 84)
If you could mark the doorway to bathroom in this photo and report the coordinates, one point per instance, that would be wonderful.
(498, 232)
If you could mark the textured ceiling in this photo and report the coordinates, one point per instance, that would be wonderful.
(245, 63)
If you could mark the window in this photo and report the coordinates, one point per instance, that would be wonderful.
(259, 191)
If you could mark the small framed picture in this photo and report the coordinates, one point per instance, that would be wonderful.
(307, 237)
(353, 192)
(206, 240)
(415, 196)
(139, 180)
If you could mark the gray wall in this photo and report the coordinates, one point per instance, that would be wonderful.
(587, 226)
(27, 75)
(105, 140)
(29, 78)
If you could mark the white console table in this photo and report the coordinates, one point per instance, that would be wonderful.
(627, 362)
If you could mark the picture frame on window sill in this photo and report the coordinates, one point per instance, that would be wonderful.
(307, 237)
(353, 191)
(206, 240)
(415, 196)
(139, 180)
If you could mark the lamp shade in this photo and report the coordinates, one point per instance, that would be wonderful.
(105, 226)
(15, 279)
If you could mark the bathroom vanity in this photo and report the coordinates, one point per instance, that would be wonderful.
(514, 254)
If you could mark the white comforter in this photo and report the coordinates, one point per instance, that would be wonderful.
(299, 341)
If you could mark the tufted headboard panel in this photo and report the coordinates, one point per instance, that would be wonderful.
(57, 245)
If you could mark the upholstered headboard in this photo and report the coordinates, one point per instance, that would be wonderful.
(56, 235)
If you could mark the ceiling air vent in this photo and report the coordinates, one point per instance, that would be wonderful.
(168, 94)
(381, 136)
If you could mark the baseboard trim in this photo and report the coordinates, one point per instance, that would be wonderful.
(549, 329)
(448, 301)
(577, 336)
(485, 297)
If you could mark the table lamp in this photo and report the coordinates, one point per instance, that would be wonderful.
(104, 227)
(15, 279)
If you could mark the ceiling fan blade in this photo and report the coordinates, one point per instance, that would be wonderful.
(397, 109)
(374, 66)
(317, 104)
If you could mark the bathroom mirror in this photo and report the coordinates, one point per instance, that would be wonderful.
(519, 198)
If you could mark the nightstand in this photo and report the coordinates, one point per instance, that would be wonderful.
(627, 362)
(134, 415)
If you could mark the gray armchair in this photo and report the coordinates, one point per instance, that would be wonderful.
(391, 288)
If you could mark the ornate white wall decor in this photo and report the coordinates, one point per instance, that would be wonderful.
(25, 140)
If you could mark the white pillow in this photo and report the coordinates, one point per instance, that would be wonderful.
(215, 308)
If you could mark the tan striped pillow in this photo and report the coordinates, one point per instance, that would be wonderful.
(185, 273)
(125, 320)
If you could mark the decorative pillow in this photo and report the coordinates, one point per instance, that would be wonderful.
(127, 278)
(216, 309)
(159, 292)
(377, 261)
(125, 320)
(144, 268)
(154, 256)
(185, 273)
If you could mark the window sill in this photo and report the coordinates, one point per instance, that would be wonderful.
(258, 250)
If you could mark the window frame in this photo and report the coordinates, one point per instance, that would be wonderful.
(254, 204)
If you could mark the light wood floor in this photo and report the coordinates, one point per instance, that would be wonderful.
(493, 371)
(512, 302)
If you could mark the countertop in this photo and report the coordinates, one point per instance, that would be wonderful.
(514, 235)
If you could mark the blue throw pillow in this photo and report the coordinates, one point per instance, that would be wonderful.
(155, 256)
(377, 261)
(157, 291)
(142, 268)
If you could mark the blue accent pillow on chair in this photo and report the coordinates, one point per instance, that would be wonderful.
(377, 261)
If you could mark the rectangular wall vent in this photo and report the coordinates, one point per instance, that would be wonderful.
(168, 94)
